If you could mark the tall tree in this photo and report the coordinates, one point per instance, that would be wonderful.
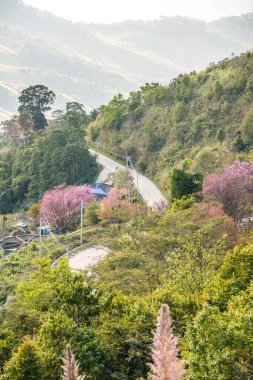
(26, 363)
(219, 344)
(75, 115)
(35, 101)
(183, 182)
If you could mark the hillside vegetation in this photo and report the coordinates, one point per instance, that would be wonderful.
(191, 258)
(206, 116)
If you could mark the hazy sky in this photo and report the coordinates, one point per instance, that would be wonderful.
(107, 11)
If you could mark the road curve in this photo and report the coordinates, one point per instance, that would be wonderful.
(147, 189)
(90, 256)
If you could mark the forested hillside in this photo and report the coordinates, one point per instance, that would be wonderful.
(206, 116)
(36, 155)
(90, 63)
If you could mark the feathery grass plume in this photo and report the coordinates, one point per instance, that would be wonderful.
(164, 350)
(70, 367)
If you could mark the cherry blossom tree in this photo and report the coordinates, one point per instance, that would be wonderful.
(164, 351)
(61, 206)
(115, 208)
(233, 188)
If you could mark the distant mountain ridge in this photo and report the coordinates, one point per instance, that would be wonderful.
(91, 63)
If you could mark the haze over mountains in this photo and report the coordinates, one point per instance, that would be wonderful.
(91, 63)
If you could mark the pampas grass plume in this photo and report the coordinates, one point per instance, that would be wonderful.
(165, 364)
(70, 367)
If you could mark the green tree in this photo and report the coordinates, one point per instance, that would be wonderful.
(234, 276)
(26, 124)
(238, 143)
(182, 183)
(247, 126)
(91, 213)
(92, 353)
(34, 101)
(127, 327)
(75, 115)
(6, 192)
(193, 263)
(178, 111)
(54, 335)
(55, 158)
(26, 363)
(219, 344)
(114, 112)
(7, 343)
(205, 161)
(6, 198)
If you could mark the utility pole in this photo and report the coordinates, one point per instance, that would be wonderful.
(4, 220)
(137, 184)
(97, 153)
(67, 251)
(128, 190)
(40, 236)
(81, 234)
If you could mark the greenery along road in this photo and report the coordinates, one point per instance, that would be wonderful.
(146, 188)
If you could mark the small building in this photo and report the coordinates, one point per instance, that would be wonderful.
(100, 190)
(45, 231)
(21, 224)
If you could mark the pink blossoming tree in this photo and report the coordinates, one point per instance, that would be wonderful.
(61, 206)
(115, 207)
(233, 188)
(164, 351)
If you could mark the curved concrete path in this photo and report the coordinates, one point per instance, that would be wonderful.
(90, 256)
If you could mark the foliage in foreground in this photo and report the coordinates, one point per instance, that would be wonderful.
(184, 258)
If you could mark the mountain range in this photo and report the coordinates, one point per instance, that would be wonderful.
(90, 63)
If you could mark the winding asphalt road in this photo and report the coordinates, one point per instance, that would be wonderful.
(147, 189)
